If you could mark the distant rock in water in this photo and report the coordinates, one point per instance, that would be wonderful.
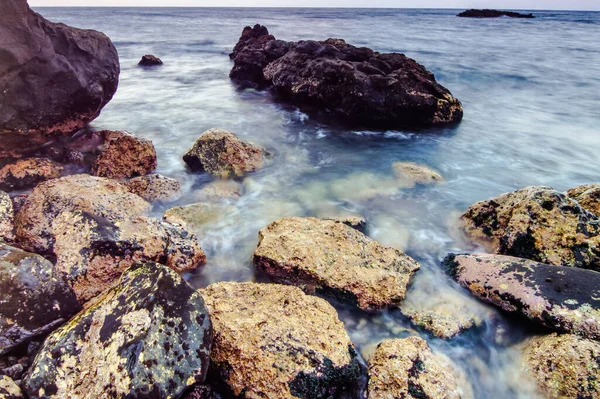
(357, 84)
(473, 13)
(55, 79)
(150, 60)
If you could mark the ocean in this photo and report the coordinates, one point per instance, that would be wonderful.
(530, 91)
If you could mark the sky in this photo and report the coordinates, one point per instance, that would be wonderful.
(500, 4)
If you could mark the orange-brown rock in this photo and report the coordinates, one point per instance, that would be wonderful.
(26, 173)
(588, 197)
(154, 187)
(123, 156)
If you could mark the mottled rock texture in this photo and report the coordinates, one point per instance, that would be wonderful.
(124, 155)
(149, 337)
(273, 341)
(34, 298)
(54, 79)
(196, 215)
(8, 388)
(537, 223)
(332, 258)
(407, 368)
(561, 298)
(443, 322)
(358, 84)
(26, 173)
(564, 366)
(474, 13)
(220, 153)
(356, 222)
(154, 187)
(149, 60)
(409, 174)
(588, 197)
(93, 252)
(99, 196)
(7, 218)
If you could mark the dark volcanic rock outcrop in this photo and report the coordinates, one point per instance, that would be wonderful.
(565, 299)
(54, 79)
(357, 84)
(474, 13)
(150, 60)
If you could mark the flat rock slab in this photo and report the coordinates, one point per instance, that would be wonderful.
(474, 13)
(149, 337)
(332, 258)
(275, 342)
(561, 298)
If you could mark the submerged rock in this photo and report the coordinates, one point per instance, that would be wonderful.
(150, 60)
(55, 79)
(124, 156)
(196, 215)
(148, 337)
(219, 190)
(564, 366)
(407, 368)
(8, 388)
(35, 299)
(444, 321)
(26, 173)
(7, 218)
(537, 223)
(154, 187)
(93, 252)
(588, 197)
(273, 341)
(98, 196)
(220, 153)
(410, 174)
(332, 258)
(473, 13)
(561, 298)
(355, 83)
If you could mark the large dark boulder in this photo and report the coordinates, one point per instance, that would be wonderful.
(54, 79)
(474, 13)
(357, 84)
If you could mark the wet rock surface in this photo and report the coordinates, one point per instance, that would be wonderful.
(26, 173)
(124, 156)
(55, 78)
(407, 368)
(220, 153)
(219, 190)
(442, 322)
(7, 218)
(274, 341)
(93, 252)
(154, 187)
(35, 298)
(99, 196)
(148, 337)
(149, 60)
(8, 388)
(332, 258)
(537, 223)
(474, 13)
(357, 84)
(561, 298)
(564, 366)
(196, 215)
(588, 197)
(409, 174)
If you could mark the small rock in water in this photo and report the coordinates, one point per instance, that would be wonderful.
(332, 258)
(220, 153)
(588, 197)
(154, 187)
(8, 388)
(35, 298)
(150, 60)
(407, 368)
(148, 337)
(564, 366)
(273, 341)
(124, 156)
(474, 13)
(7, 218)
(218, 190)
(561, 298)
(27, 173)
(444, 321)
(410, 174)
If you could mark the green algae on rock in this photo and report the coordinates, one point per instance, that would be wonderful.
(274, 342)
(330, 257)
(34, 297)
(7, 218)
(149, 337)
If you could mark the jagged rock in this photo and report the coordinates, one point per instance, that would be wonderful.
(473, 13)
(332, 258)
(273, 341)
(410, 174)
(588, 197)
(357, 84)
(154, 187)
(93, 252)
(99, 196)
(54, 78)
(196, 215)
(561, 298)
(35, 299)
(564, 366)
(8, 388)
(407, 368)
(150, 60)
(148, 337)
(537, 223)
(124, 156)
(7, 218)
(26, 173)
(220, 153)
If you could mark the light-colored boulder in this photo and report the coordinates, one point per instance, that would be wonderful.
(154, 187)
(409, 174)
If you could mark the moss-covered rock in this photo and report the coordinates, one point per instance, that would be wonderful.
(8, 388)
(26, 173)
(407, 368)
(409, 174)
(7, 218)
(274, 341)
(123, 156)
(34, 298)
(330, 257)
(154, 187)
(537, 223)
(588, 197)
(149, 337)
(564, 366)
